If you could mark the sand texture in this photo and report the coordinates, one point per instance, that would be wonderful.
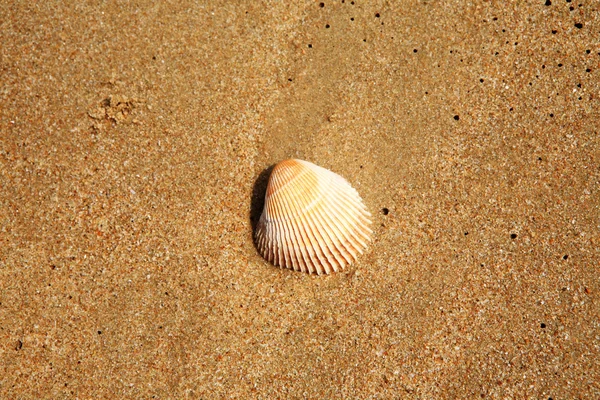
(134, 134)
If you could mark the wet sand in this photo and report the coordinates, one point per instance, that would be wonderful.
(132, 136)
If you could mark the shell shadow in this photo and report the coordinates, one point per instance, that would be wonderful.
(257, 203)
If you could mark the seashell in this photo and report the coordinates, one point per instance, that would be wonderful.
(313, 220)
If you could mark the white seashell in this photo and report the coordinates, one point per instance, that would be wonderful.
(312, 221)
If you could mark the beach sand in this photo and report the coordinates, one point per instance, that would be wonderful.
(132, 136)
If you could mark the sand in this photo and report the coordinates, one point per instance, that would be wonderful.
(132, 135)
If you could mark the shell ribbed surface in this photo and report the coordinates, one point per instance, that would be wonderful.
(312, 221)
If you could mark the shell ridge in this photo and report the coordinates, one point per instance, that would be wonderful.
(308, 180)
(348, 224)
(356, 205)
(285, 255)
(260, 237)
(262, 232)
(341, 190)
(339, 221)
(318, 242)
(342, 226)
(352, 241)
(279, 245)
(343, 255)
(299, 202)
(297, 238)
(292, 260)
(324, 241)
(354, 200)
(293, 229)
(278, 172)
(313, 220)
(356, 223)
(291, 186)
(331, 228)
(351, 196)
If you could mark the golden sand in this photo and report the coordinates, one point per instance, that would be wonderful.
(132, 135)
